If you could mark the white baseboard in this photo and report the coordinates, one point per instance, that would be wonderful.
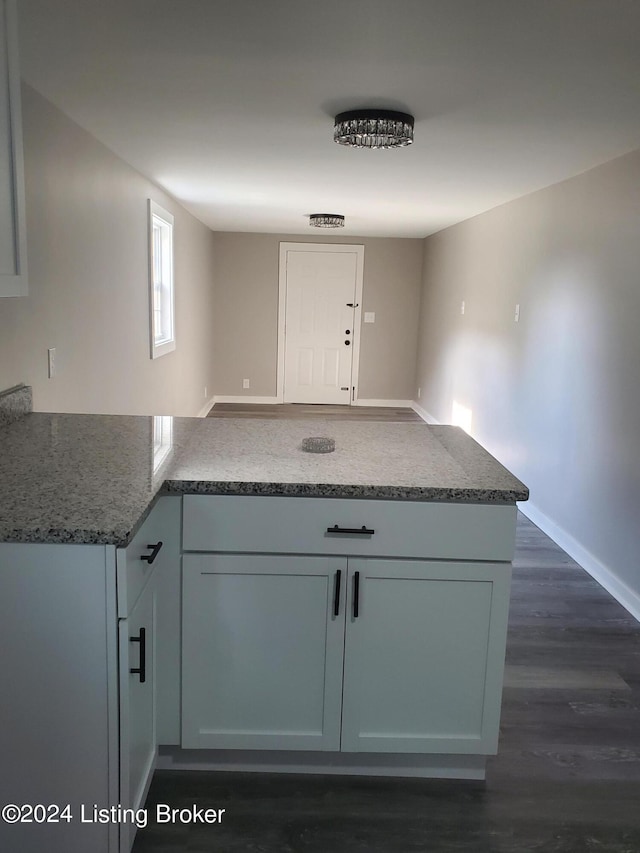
(605, 576)
(204, 411)
(247, 399)
(393, 404)
(424, 414)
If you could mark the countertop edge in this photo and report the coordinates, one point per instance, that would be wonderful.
(337, 490)
(122, 538)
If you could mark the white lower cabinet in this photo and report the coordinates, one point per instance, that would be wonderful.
(344, 635)
(342, 654)
(77, 726)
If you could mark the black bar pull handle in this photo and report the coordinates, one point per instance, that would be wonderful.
(356, 594)
(155, 550)
(361, 531)
(336, 597)
(142, 669)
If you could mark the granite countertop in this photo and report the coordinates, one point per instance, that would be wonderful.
(93, 478)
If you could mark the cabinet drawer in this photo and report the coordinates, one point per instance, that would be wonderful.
(134, 570)
(301, 525)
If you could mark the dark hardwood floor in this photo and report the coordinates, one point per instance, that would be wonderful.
(304, 410)
(566, 778)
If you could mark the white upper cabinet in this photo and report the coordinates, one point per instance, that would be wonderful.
(13, 238)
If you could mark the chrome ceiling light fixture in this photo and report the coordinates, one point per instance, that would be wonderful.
(326, 220)
(372, 128)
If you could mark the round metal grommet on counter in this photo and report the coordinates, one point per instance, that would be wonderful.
(318, 444)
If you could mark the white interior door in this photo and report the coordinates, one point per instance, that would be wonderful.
(320, 317)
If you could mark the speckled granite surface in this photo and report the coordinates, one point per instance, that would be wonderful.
(15, 403)
(76, 478)
(92, 478)
(399, 461)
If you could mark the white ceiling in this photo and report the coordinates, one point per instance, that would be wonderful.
(229, 104)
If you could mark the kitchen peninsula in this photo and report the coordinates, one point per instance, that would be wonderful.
(342, 612)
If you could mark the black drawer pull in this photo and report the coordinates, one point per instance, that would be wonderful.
(336, 598)
(155, 550)
(362, 531)
(356, 594)
(142, 669)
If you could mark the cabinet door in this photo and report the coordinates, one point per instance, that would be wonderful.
(262, 650)
(138, 744)
(158, 540)
(13, 249)
(424, 656)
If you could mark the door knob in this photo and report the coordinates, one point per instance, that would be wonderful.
(348, 332)
(347, 343)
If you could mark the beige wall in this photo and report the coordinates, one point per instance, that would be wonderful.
(88, 282)
(556, 396)
(246, 323)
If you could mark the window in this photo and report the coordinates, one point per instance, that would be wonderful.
(162, 440)
(161, 298)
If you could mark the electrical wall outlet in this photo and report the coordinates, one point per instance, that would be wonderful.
(516, 316)
(462, 307)
(246, 383)
(369, 316)
(51, 362)
(205, 392)
(419, 392)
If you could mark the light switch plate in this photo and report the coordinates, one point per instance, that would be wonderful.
(369, 316)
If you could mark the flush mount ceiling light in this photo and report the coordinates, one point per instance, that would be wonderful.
(326, 220)
(372, 128)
